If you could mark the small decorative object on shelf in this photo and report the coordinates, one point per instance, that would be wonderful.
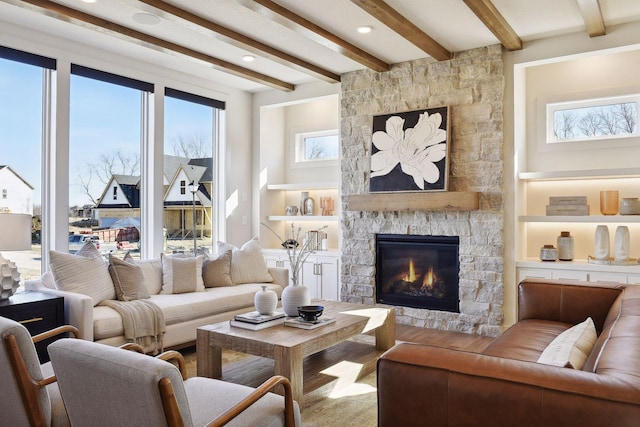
(548, 253)
(621, 244)
(265, 301)
(567, 205)
(609, 202)
(295, 295)
(565, 246)
(291, 210)
(309, 206)
(602, 250)
(326, 205)
(629, 206)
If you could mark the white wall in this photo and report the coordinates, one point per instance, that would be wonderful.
(176, 73)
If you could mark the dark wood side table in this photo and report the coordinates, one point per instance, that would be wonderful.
(38, 312)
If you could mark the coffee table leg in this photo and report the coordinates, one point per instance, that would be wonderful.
(288, 363)
(386, 333)
(208, 356)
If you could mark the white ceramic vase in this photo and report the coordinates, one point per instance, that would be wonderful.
(265, 301)
(621, 244)
(294, 296)
(9, 278)
(602, 251)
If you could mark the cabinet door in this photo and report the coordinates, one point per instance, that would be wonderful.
(327, 273)
(570, 275)
(607, 277)
(310, 279)
(524, 273)
(633, 279)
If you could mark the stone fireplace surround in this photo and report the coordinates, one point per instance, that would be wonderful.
(472, 85)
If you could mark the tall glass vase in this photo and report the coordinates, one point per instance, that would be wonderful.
(294, 296)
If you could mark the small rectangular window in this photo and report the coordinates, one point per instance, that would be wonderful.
(183, 187)
(593, 119)
(115, 193)
(316, 146)
(4, 193)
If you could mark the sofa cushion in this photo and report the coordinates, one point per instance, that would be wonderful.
(181, 274)
(152, 272)
(84, 275)
(216, 270)
(128, 279)
(571, 348)
(247, 262)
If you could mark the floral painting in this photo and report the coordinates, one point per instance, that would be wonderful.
(410, 151)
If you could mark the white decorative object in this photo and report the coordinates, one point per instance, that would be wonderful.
(265, 300)
(9, 276)
(294, 296)
(621, 244)
(602, 251)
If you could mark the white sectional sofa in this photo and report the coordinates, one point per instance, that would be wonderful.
(183, 312)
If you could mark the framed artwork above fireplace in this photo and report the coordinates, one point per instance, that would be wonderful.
(410, 151)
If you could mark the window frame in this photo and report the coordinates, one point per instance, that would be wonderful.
(297, 148)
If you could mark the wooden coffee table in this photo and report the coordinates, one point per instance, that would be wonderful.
(289, 346)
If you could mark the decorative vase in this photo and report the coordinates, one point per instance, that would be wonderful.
(548, 253)
(565, 246)
(265, 301)
(303, 197)
(602, 243)
(294, 296)
(609, 202)
(621, 244)
(9, 278)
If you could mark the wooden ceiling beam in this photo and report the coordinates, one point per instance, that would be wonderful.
(65, 13)
(314, 32)
(401, 25)
(495, 22)
(592, 16)
(243, 42)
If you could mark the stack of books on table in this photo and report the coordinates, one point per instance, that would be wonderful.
(256, 321)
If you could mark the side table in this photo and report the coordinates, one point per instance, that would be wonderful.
(38, 312)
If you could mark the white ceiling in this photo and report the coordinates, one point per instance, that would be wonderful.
(450, 22)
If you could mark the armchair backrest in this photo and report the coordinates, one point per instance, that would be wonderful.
(108, 386)
(12, 405)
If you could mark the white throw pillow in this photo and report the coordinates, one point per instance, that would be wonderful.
(181, 274)
(247, 263)
(571, 348)
(83, 275)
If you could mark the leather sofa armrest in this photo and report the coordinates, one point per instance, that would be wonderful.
(280, 275)
(566, 301)
(419, 383)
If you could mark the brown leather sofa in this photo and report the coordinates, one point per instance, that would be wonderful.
(421, 385)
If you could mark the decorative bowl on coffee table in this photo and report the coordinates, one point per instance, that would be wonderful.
(310, 313)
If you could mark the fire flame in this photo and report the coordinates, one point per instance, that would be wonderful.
(411, 277)
(428, 279)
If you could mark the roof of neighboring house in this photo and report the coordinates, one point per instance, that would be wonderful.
(16, 174)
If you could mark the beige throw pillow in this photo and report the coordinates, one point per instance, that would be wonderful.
(571, 348)
(216, 270)
(152, 272)
(83, 275)
(128, 279)
(88, 250)
(247, 263)
(181, 274)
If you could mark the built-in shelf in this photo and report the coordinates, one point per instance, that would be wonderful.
(581, 218)
(304, 186)
(580, 174)
(295, 218)
(428, 201)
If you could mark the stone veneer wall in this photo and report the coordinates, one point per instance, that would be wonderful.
(471, 84)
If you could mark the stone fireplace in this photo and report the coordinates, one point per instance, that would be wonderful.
(417, 271)
(471, 84)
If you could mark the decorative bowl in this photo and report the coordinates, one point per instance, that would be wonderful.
(310, 313)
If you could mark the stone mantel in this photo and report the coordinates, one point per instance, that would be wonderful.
(429, 201)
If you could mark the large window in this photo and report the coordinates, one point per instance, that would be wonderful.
(104, 159)
(22, 85)
(189, 171)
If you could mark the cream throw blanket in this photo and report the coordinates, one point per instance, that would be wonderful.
(143, 322)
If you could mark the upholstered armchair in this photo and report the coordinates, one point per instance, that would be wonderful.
(107, 386)
(30, 395)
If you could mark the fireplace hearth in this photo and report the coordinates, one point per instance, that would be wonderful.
(418, 271)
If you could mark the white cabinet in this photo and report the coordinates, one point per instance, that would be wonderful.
(319, 273)
(535, 229)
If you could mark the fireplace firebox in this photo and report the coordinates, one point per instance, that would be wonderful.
(418, 271)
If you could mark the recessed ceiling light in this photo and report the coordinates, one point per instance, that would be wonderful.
(248, 58)
(365, 29)
(89, 1)
(146, 18)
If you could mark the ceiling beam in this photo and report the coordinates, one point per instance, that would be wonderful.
(243, 42)
(401, 25)
(592, 16)
(314, 32)
(495, 22)
(145, 40)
